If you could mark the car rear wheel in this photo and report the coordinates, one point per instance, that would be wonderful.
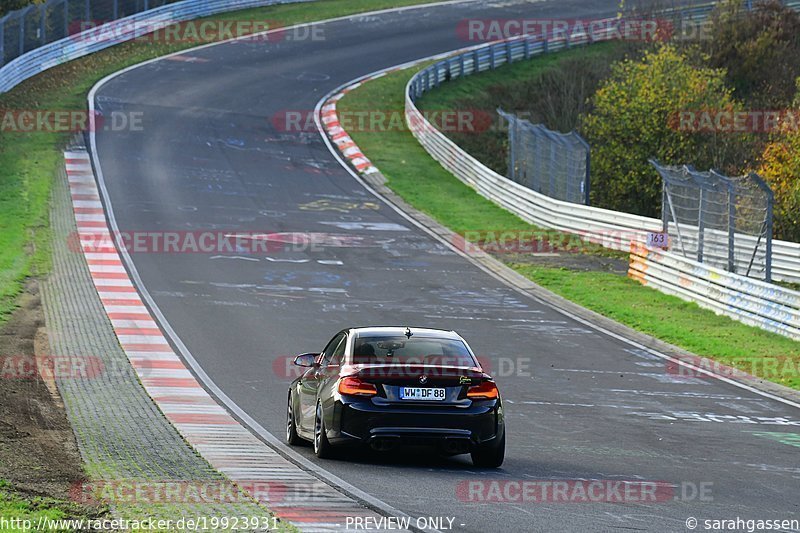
(322, 448)
(490, 455)
(292, 438)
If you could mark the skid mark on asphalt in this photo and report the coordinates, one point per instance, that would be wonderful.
(660, 377)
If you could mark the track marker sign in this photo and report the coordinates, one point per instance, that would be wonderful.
(658, 240)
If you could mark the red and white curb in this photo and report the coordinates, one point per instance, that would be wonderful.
(344, 143)
(290, 492)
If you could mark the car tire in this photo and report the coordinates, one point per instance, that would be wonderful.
(322, 448)
(490, 455)
(292, 438)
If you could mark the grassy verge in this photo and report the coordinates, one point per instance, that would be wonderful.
(422, 182)
(28, 161)
(14, 506)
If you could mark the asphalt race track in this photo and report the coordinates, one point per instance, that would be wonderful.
(209, 158)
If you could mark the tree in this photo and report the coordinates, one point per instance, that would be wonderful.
(636, 116)
(759, 49)
(7, 6)
(780, 168)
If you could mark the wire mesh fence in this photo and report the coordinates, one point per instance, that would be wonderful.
(39, 24)
(554, 164)
(719, 220)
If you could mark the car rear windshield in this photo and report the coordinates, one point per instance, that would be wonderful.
(429, 351)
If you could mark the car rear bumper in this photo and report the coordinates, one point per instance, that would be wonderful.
(456, 429)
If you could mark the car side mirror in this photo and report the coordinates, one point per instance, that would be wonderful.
(306, 360)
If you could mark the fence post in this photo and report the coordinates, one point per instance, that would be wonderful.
(512, 147)
(545, 46)
(552, 170)
(527, 45)
(461, 65)
(509, 55)
(146, 5)
(731, 229)
(2, 40)
(42, 25)
(22, 32)
(768, 259)
(588, 182)
(476, 62)
(768, 222)
(115, 12)
(701, 225)
(491, 57)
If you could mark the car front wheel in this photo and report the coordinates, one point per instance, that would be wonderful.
(292, 438)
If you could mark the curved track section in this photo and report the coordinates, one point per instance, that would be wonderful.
(209, 158)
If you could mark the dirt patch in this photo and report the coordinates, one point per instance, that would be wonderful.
(38, 452)
(613, 263)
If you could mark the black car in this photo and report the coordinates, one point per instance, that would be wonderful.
(387, 386)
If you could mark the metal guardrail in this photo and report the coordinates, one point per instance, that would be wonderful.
(106, 35)
(611, 229)
(752, 302)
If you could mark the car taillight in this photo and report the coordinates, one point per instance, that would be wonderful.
(485, 391)
(355, 387)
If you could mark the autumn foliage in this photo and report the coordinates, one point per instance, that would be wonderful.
(633, 121)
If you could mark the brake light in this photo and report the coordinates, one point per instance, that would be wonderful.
(355, 387)
(484, 391)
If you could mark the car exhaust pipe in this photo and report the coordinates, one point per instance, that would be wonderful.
(456, 446)
(383, 444)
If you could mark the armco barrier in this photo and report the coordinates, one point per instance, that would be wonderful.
(612, 229)
(752, 302)
(123, 29)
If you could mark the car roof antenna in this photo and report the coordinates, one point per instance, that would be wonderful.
(408, 332)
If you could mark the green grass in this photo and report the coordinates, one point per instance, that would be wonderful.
(12, 506)
(477, 89)
(422, 182)
(28, 161)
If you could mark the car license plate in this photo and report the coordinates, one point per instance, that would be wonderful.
(422, 393)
